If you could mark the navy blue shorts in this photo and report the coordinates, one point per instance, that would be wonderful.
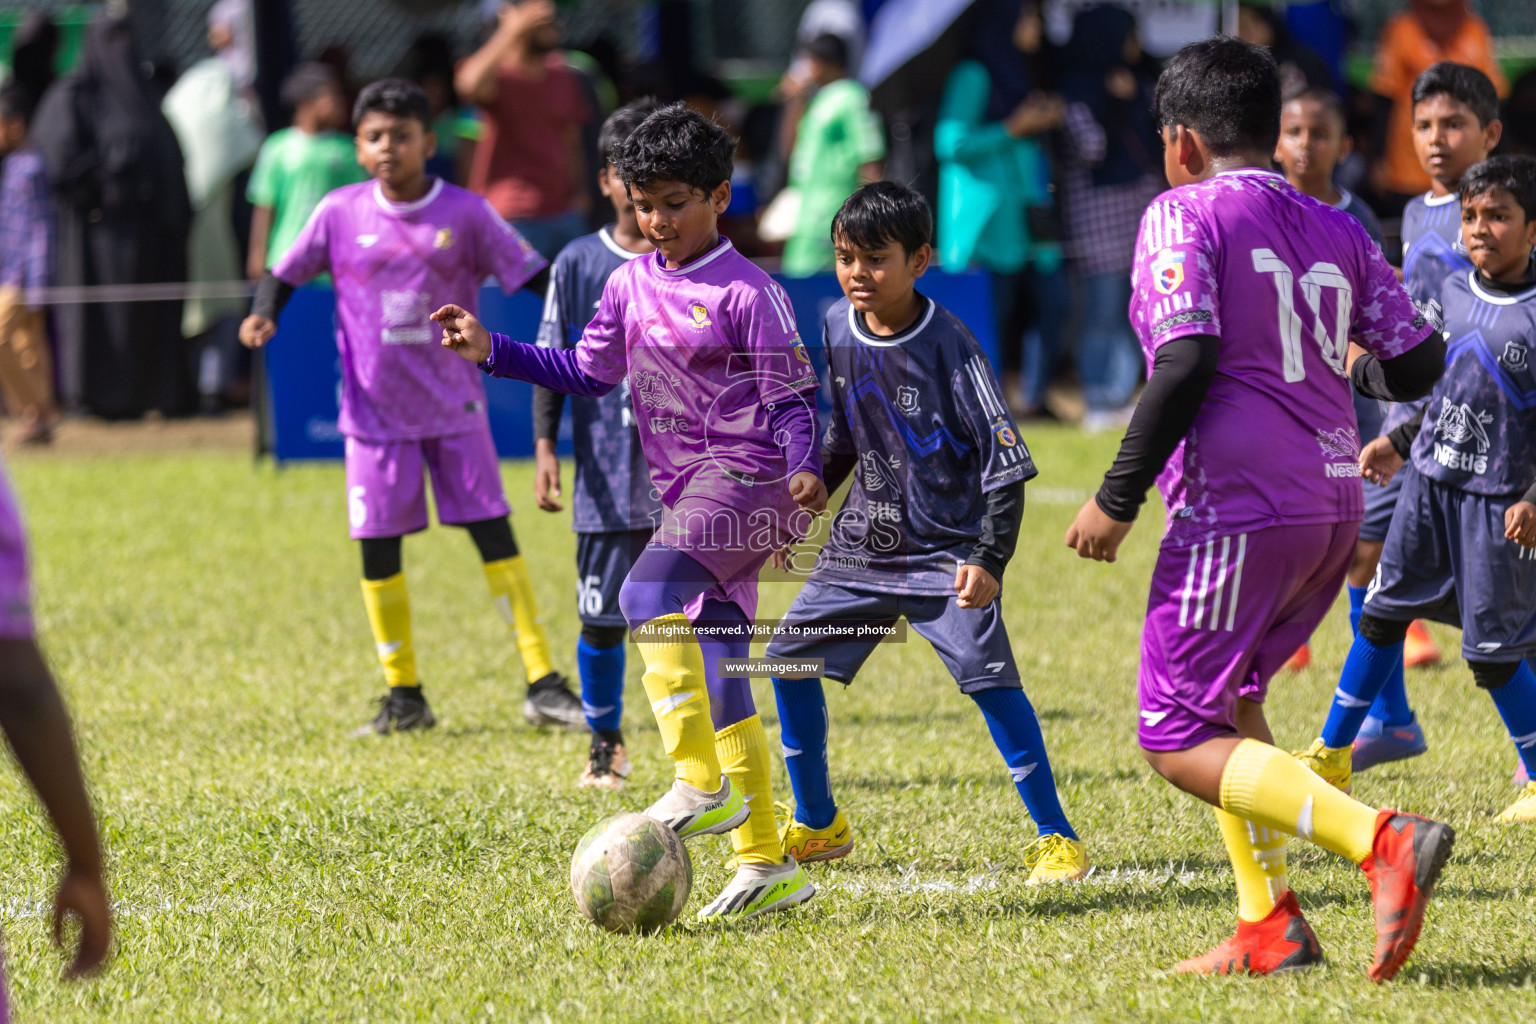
(972, 642)
(1379, 501)
(1446, 560)
(602, 562)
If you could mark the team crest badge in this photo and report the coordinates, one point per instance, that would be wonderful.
(698, 316)
(1168, 272)
(444, 238)
(800, 352)
(1005, 435)
(906, 400)
(1514, 356)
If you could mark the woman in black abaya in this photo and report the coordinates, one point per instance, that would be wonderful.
(123, 218)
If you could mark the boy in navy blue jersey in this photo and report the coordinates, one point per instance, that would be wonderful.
(1459, 550)
(1455, 125)
(927, 528)
(615, 508)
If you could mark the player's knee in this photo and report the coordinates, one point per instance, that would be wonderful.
(381, 557)
(640, 601)
(1490, 675)
(601, 638)
(1383, 632)
(493, 538)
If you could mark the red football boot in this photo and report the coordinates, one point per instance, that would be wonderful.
(1406, 858)
(1282, 942)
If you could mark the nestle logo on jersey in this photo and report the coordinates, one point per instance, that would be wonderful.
(1450, 458)
(1341, 469)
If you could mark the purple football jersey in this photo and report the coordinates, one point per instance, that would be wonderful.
(709, 348)
(394, 264)
(1286, 282)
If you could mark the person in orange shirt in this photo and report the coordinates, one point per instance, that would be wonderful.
(1427, 32)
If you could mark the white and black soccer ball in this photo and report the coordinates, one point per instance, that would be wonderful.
(631, 873)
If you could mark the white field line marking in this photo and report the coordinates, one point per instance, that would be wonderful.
(911, 882)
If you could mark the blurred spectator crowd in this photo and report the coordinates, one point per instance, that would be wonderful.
(1038, 150)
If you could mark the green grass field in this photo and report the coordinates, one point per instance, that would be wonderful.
(203, 617)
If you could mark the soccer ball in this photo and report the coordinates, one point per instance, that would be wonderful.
(631, 873)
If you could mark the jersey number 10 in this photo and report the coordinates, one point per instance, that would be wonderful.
(1335, 347)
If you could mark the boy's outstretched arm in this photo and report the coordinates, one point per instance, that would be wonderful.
(500, 356)
(1181, 375)
(33, 718)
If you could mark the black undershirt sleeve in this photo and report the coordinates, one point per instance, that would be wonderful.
(835, 468)
(1402, 436)
(1181, 375)
(1408, 376)
(999, 529)
(547, 407)
(1530, 495)
(272, 294)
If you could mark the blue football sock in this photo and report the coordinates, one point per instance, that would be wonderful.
(602, 684)
(1516, 701)
(1356, 607)
(803, 732)
(1391, 706)
(1016, 731)
(1366, 671)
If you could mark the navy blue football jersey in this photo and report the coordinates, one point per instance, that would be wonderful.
(1432, 252)
(1432, 246)
(1479, 430)
(924, 414)
(612, 490)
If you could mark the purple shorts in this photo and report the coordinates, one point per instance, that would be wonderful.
(733, 544)
(1223, 617)
(15, 584)
(387, 491)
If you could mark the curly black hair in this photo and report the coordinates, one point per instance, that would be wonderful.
(621, 124)
(1513, 174)
(396, 96)
(883, 212)
(676, 144)
(1226, 90)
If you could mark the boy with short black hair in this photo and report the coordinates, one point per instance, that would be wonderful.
(720, 384)
(1246, 297)
(1459, 548)
(397, 246)
(927, 529)
(615, 508)
(1455, 125)
(299, 165)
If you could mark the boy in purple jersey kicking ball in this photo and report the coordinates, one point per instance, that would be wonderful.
(398, 246)
(36, 725)
(1460, 547)
(615, 508)
(1246, 294)
(926, 531)
(720, 385)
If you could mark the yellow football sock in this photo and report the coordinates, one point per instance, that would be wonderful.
(744, 756)
(389, 613)
(513, 594)
(674, 683)
(1258, 861)
(1271, 788)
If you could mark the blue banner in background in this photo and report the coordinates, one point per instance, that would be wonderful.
(304, 370)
